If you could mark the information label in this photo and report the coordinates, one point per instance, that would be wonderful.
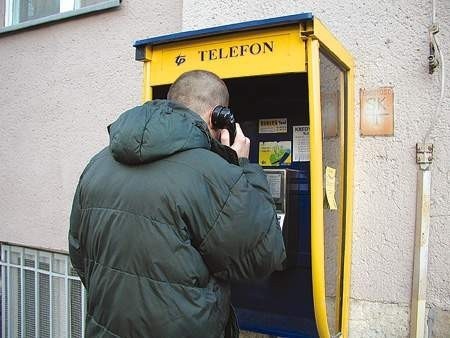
(300, 144)
(274, 181)
(275, 154)
(272, 126)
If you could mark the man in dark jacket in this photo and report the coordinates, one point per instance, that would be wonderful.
(166, 216)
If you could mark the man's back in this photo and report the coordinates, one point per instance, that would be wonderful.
(161, 224)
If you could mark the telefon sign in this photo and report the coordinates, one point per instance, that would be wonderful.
(255, 48)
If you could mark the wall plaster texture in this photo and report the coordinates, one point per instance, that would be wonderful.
(62, 84)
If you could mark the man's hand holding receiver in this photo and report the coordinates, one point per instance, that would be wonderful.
(241, 143)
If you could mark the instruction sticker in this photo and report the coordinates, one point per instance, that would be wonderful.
(272, 126)
(275, 154)
(300, 140)
(274, 181)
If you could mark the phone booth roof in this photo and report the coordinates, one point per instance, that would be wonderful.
(235, 27)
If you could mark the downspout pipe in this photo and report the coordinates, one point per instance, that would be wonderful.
(424, 158)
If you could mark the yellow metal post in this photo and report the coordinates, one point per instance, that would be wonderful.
(147, 92)
(346, 251)
(341, 211)
(317, 231)
(147, 89)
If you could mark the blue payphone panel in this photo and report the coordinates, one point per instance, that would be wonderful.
(282, 304)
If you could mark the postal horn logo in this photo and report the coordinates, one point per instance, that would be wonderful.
(180, 59)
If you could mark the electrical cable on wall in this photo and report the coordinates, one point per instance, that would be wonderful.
(434, 63)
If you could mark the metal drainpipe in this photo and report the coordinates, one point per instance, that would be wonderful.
(424, 158)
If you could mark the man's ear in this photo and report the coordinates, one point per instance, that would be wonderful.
(210, 119)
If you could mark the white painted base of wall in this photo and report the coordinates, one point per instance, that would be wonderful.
(374, 319)
(438, 323)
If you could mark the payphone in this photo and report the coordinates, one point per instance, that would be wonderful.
(274, 114)
(289, 188)
(271, 69)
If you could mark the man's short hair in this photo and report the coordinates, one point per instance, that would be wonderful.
(199, 90)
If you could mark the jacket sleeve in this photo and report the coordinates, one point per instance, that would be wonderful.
(75, 251)
(245, 241)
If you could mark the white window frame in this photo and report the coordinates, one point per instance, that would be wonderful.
(6, 265)
(12, 13)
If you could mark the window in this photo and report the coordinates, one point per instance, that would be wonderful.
(17, 14)
(41, 295)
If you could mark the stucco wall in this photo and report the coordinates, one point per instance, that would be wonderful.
(389, 41)
(61, 85)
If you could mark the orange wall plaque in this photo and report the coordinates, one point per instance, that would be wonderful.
(377, 112)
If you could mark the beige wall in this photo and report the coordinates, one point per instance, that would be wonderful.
(61, 85)
(389, 41)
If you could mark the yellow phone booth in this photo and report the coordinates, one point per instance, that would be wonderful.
(292, 90)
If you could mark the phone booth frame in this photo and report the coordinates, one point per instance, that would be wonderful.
(299, 37)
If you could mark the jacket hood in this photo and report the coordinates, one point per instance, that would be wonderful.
(155, 130)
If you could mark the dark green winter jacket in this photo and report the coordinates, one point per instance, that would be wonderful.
(161, 224)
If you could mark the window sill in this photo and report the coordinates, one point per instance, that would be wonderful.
(61, 16)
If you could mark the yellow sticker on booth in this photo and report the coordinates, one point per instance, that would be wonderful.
(275, 154)
(330, 187)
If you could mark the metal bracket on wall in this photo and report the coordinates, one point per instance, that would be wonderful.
(433, 62)
(424, 155)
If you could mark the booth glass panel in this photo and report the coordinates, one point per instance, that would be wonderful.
(331, 95)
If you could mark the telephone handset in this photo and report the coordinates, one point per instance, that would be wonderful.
(223, 118)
